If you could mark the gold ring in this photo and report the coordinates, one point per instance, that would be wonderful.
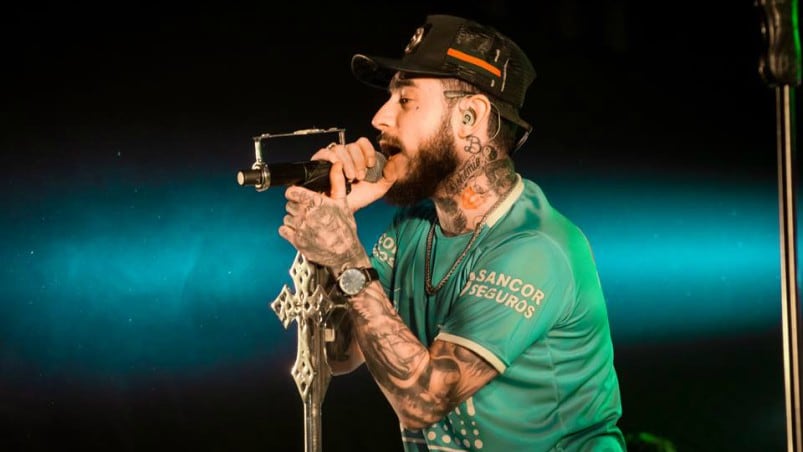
(331, 145)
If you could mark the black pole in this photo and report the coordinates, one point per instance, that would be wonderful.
(780, 67)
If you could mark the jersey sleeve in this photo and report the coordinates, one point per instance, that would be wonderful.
(514, 293)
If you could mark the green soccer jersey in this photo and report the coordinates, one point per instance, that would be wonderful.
(526, 297)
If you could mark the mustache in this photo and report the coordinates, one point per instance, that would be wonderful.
(387, 142)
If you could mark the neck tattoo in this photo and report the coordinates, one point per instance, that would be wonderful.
(431, 290)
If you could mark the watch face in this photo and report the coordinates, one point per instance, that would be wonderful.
(352, 281)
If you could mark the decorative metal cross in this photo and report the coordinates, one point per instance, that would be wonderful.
(309, 306)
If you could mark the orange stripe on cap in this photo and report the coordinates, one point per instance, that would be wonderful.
(474, 60)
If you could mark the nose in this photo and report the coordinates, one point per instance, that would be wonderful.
(383, 117)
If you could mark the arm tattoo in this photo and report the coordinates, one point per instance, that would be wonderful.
(422, 385)
(391, 351)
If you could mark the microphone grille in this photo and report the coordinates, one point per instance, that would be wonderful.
(374, 173)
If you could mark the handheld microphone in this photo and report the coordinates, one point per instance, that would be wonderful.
(313, 174)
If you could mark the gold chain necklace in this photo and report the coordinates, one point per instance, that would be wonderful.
(431, 290)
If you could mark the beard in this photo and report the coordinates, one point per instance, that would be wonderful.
(435, 163)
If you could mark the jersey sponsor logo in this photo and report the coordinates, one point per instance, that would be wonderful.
(385, 249)
(506, 290)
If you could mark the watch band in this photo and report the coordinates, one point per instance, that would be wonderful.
(372, 273)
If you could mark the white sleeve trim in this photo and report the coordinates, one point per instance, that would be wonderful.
(476, 348)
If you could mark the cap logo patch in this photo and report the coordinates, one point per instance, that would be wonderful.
(414, 41)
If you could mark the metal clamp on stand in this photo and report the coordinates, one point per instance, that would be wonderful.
(311, 174)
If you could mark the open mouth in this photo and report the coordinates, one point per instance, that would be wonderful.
(389, 150)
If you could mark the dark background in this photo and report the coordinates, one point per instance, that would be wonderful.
(136, 272)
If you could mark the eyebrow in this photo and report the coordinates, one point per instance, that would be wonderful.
(397, 83)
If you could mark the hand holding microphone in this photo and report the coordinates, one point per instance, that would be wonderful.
(315, 174)
(322, 226)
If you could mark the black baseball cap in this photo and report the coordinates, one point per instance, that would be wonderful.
(450, 46)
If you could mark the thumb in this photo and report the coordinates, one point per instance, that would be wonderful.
(337, 181)
(389, 174)
(385, 183)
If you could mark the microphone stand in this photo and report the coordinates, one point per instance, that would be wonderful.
(780, 67)
(313, 307)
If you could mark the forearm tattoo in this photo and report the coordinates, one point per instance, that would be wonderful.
(422, 385)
